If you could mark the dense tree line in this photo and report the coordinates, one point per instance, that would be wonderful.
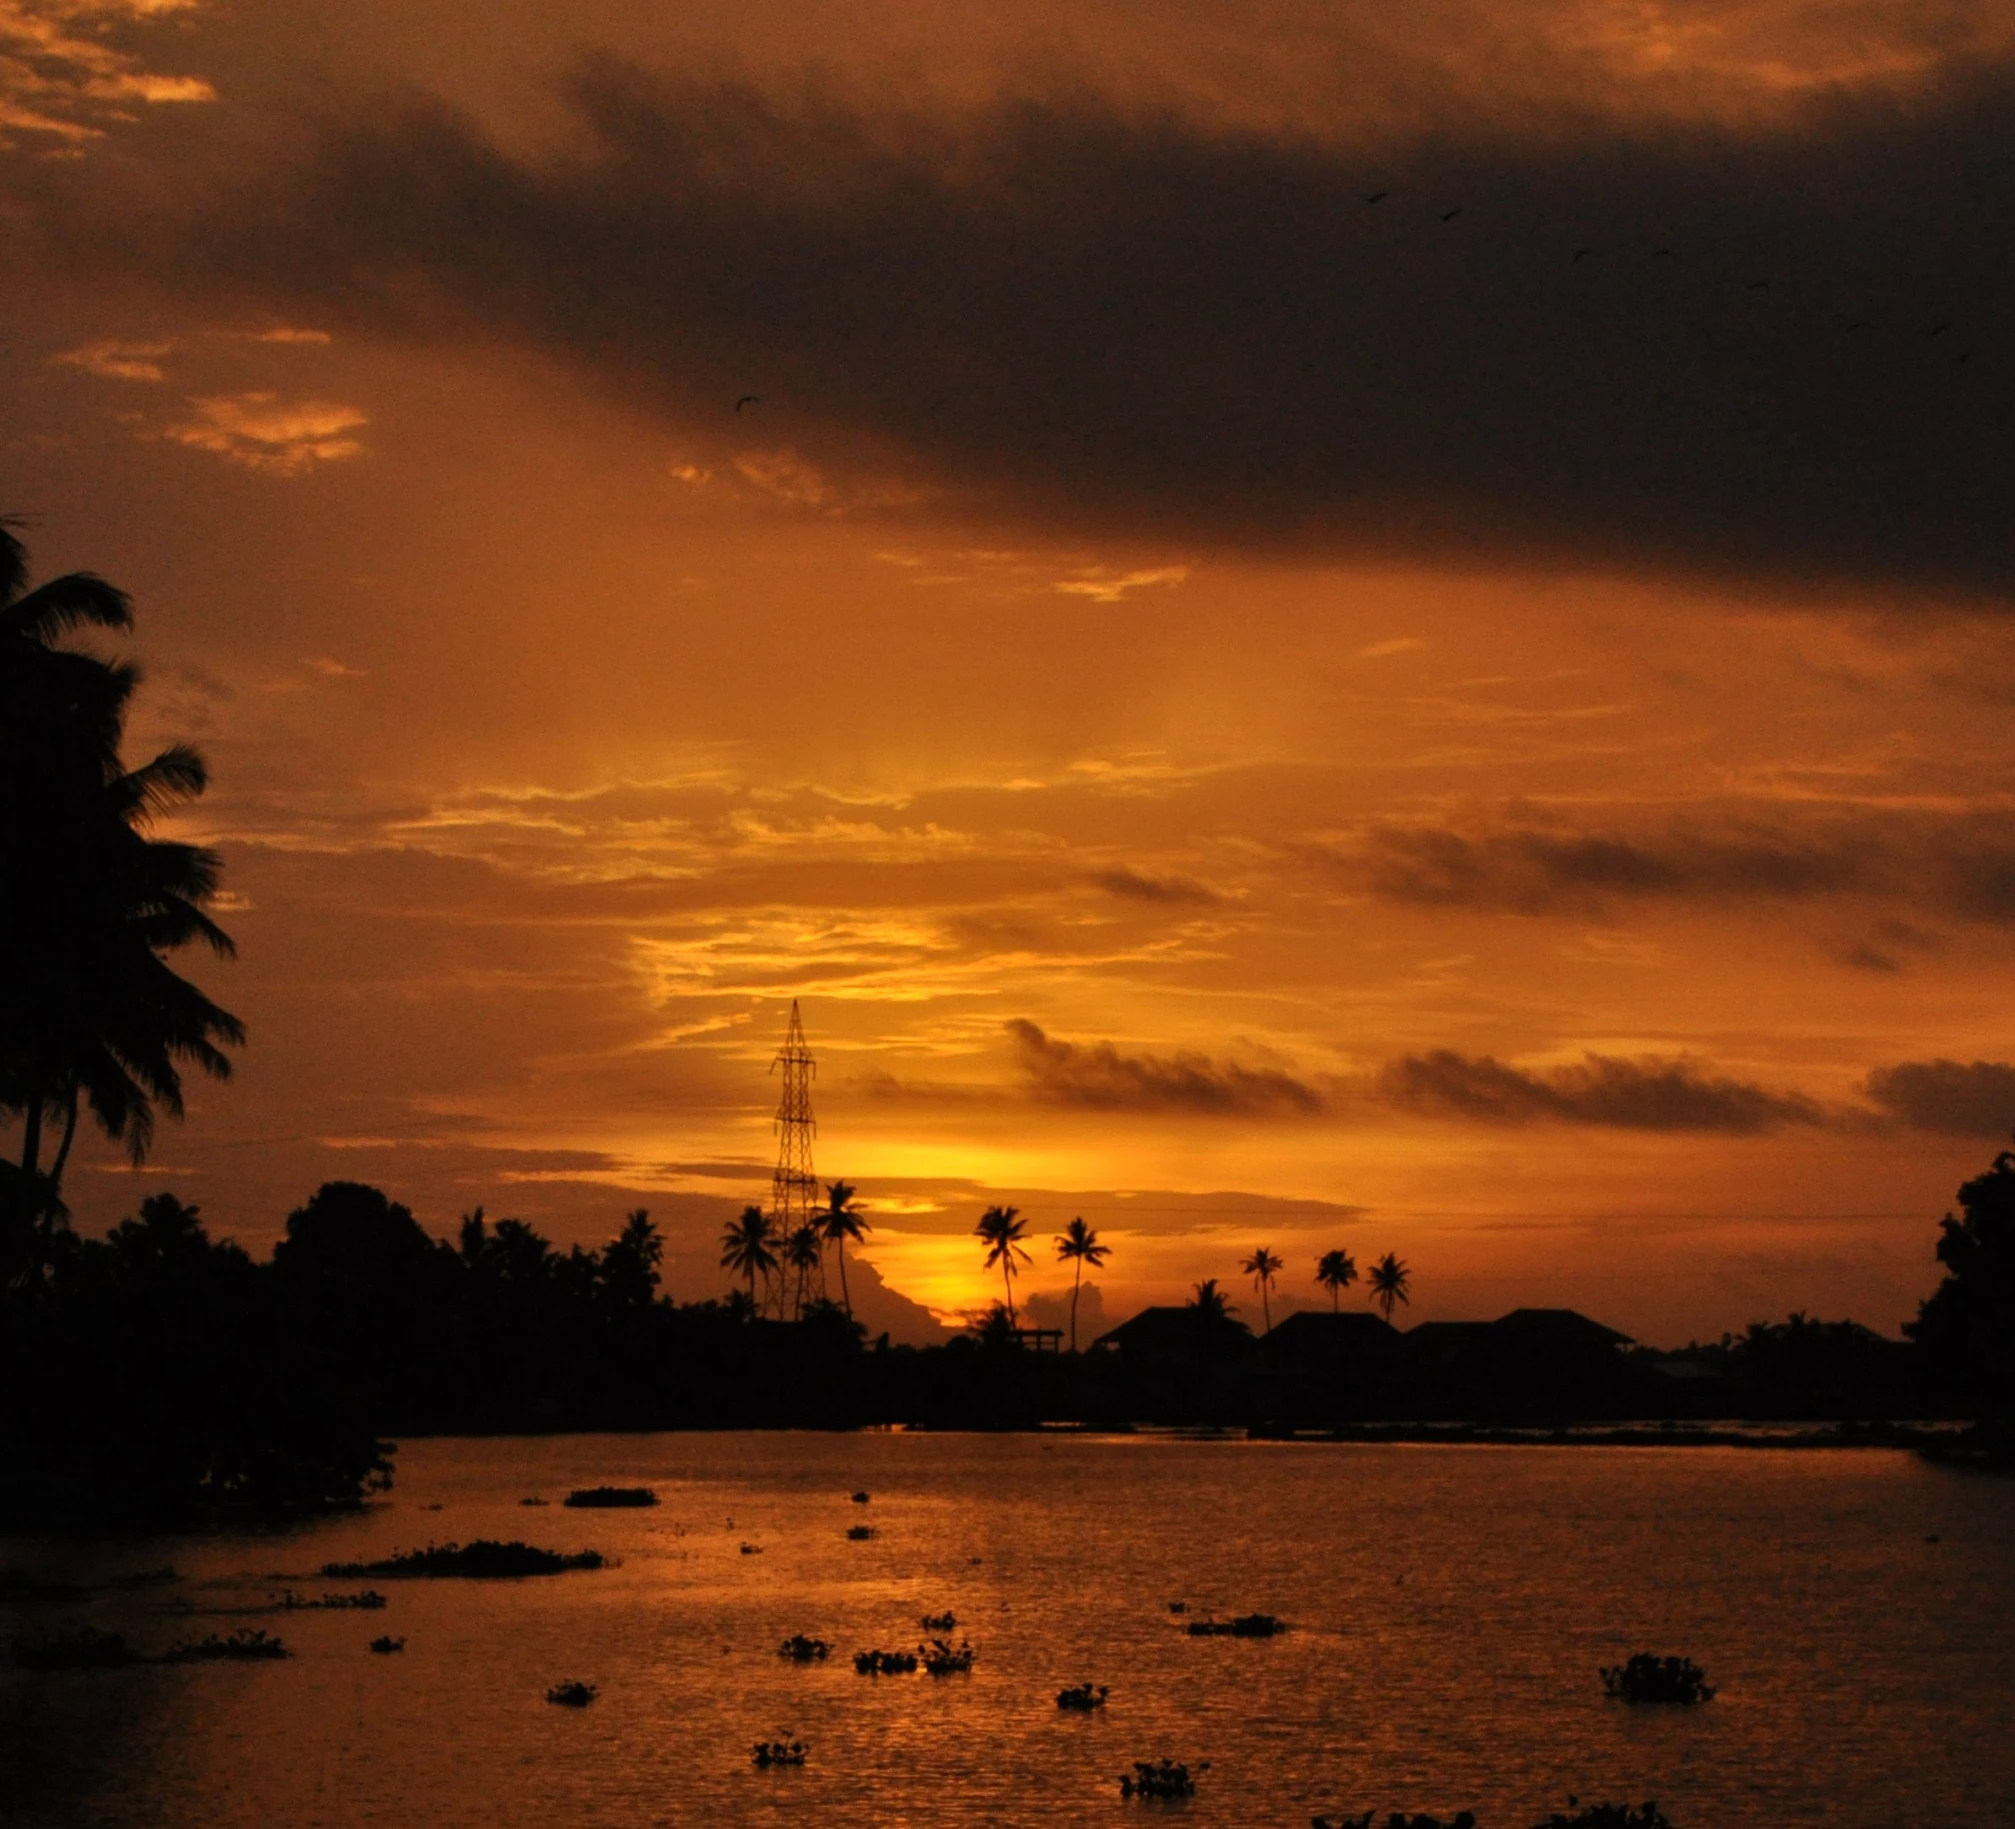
(157, 1371)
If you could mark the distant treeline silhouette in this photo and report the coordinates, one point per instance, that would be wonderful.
(156, 1372)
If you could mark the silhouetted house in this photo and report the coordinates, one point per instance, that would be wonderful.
(1533, 1364)
(1554, 1364)
(1556, 1330)
(1313, 1339)
(1443, 1346)
(1321, 1367)
(1178, 1364)
(1162, 1340)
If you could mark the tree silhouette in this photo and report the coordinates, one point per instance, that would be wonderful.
(1263, 1266)
(1209, 1303)
(747, 1249)
(1077, 1245)
(1966, 1327)
(804, 1252)
(1387, 1283)
(629, 1266)
(1335, 1271)
(1212, 1327)
(1001, 1230)
(90, 1013)
(839, 1222)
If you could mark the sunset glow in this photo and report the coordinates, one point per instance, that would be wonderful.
(1471, 723)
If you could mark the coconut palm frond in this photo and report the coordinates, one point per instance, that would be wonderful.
(78, 600)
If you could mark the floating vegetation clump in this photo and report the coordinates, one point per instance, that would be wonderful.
(860, 1498)
(885, 1663)
(572, 1695)
(79, 1648)
(1649, 1678)
(1178, 1606)
(859, 1533)
(802, 1650)
(939, 1622)
(1607, 1816)
(1246, 1625)
(1082, 1697)
(1159, 1778)
(387, 1644)
(610, 1498)
(249, 1644)
(532, 1501)
(941, 1659)
(778, 1752)
(483, 1560)
(1462, 1819)
(752, 1549)
(369, 1601)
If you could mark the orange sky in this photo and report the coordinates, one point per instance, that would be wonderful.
(1238, 713)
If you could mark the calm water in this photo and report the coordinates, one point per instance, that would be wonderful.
(1451, 1607)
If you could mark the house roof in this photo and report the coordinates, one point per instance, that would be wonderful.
(1321, 1324)
(1171, 1329)
(1557, 1327)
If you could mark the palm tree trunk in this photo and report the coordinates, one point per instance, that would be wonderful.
(31, 1135)
(1266, 1304)
(1007, 1278)
(846, 1295)
(63, 1148)
(1074, 1282)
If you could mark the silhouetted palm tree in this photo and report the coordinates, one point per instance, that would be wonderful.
(1335, 1271)
(839, 1222)
(747, 1249)
(90, 906)
(1263, 1266)
(629, 1265)
(1001, 1230)
(804, 1252)
(1210, 1303)
(1387, 1283)
(1077, 1245)
(1212, 1328)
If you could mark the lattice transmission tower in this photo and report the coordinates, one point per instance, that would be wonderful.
(794, 1188)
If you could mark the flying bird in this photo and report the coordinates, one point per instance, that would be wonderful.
(1663, 254)
(1450, 215)
(1377, 196)
(1938, 330)
(748, 400)
(1580, 254)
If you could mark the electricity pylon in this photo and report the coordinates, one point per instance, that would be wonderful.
(794, 1188)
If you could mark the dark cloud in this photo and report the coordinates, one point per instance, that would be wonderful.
(1539, 872)
(1599, 1090)
(1783, 351)
(1935, 865)
(1132, 886)
(1098, 1077)
(1953, 1098)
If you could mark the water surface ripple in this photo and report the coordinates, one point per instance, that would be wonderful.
(1451, 1608)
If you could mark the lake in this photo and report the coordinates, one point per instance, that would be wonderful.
(1451, 1608)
